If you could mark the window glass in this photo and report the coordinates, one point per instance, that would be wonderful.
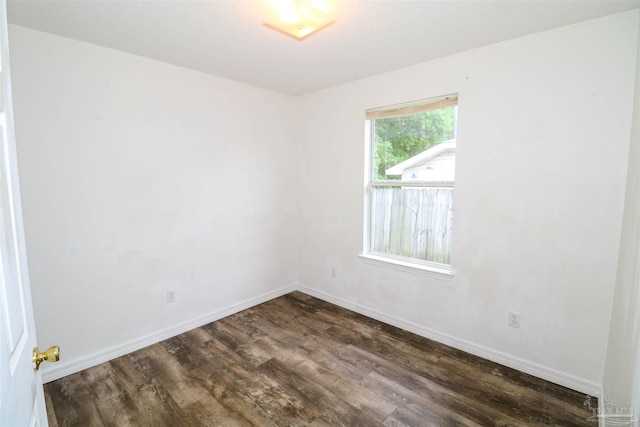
(411, 180)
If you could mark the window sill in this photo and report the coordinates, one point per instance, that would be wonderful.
(436, 272)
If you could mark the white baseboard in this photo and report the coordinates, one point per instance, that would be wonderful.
(61, 370)
(563, 379)
(58, 371)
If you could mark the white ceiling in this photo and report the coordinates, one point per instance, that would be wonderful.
(226, 38)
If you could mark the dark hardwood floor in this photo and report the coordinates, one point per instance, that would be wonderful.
(299, 361)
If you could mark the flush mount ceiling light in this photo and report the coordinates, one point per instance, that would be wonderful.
(299, 18)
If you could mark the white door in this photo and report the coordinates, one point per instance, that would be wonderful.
(21, 395)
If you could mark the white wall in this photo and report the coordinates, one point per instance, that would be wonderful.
(544, 125)
(138, 177)
(621, 381)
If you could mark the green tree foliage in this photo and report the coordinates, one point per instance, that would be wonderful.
(400, 138)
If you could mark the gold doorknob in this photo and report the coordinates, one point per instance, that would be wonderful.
(52, 354)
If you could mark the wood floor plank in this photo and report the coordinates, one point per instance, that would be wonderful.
(306, 390)
(423, 399)
(228, 393)
(334, 382)
(242, 344)
(300, 361)
(267, 392)
(209, 412)
(72, 402)
(150, 400)
(114, 404)
(450, 374)
(53, 422)
(181, 347)
(404, 417)
(149, 389)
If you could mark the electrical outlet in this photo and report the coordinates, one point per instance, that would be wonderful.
(171, 296)
(514, 319)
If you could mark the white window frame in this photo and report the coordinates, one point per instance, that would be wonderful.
(406, 264)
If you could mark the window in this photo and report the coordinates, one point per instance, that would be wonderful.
(411, 176)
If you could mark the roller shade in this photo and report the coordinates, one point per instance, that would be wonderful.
(411, 108)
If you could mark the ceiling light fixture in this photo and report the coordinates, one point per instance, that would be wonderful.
(299, 18)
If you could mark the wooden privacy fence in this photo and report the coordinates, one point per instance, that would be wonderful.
(412, 222)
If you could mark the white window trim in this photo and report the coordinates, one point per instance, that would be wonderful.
(408, 265)
(434, 270)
